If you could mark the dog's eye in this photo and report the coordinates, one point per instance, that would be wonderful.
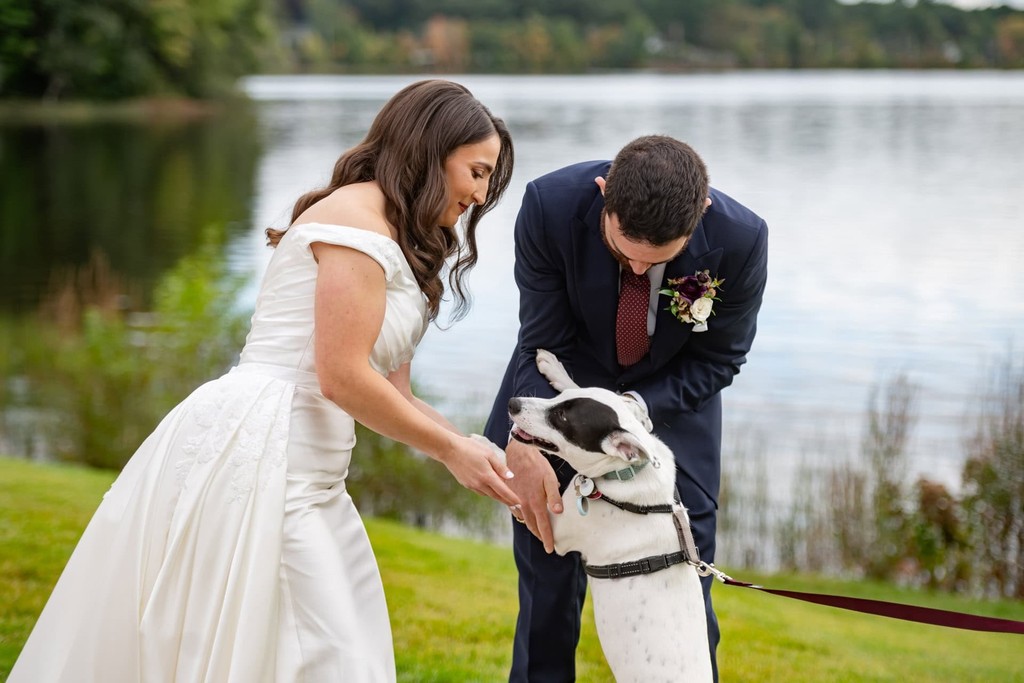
(559, 415)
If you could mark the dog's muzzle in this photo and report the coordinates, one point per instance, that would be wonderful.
(515, 406)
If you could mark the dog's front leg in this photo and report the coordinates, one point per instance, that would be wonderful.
(554, 371)
(490, 444)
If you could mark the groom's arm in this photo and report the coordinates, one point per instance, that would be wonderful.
(709, 360)
(546, 319)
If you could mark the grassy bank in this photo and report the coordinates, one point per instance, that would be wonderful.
(453, 605)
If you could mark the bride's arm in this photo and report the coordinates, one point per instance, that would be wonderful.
(401, 379)
(349, 313)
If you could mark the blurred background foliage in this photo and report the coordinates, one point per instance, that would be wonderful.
(89, 376)
(110, 49)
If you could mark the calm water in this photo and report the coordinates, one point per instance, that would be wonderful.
(141, 195)
(895, 204)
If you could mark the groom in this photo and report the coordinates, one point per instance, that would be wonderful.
(595, 242)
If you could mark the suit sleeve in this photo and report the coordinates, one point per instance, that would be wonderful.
(546, 320)
(709, 360)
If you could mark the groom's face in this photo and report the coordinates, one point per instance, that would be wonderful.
(637, 256)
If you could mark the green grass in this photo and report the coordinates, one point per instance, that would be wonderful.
(453, 605)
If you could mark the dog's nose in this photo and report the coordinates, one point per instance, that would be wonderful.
(514, 406)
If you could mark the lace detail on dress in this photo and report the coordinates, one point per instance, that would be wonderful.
(238, 423)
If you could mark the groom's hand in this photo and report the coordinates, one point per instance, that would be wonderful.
(639, 410)
(537, 488)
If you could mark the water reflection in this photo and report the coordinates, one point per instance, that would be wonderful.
(139, 193)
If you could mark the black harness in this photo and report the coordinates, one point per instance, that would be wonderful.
(687, 552)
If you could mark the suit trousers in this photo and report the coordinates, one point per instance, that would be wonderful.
(552, 589)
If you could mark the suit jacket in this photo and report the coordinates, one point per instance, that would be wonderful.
(568, 287)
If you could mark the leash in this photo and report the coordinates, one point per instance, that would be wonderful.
(586, 490)
(893, 610)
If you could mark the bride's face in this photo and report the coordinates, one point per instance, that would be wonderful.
(468, 173)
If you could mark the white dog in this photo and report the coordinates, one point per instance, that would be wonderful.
(622, 514)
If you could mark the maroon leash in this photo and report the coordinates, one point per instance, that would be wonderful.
(893, 610)
(689, 554)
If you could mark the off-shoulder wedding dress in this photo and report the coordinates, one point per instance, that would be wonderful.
(228, 549)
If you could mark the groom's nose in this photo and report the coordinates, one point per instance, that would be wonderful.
(639, 267)
(514, 406)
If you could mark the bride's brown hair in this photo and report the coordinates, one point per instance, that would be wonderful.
(405, 152)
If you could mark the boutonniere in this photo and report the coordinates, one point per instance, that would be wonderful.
(692, 298)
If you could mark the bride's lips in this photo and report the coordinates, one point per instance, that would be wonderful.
(462, 208)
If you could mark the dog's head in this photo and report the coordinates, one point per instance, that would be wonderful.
(591, 429)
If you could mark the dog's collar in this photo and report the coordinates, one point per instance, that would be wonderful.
(625, 474)
(586, 490)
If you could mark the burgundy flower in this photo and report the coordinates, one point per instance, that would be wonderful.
(691, 297)
(690, 287)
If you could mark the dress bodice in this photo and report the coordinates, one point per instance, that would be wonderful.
(282, 331)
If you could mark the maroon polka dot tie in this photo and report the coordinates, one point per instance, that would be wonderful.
(631, 340)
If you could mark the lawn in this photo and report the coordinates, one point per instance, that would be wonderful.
(453, 605)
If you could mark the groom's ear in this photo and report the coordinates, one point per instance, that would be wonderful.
(600, 184)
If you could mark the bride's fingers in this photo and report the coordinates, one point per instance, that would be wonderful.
(502, 493)
(499, 466)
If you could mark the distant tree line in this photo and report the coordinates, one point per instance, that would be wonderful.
(540, 36)
(109, 49)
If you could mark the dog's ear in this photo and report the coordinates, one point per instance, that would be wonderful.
(625, 445)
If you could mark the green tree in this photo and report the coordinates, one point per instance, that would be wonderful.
(1010, 41)
(109, 49)
(98, 377)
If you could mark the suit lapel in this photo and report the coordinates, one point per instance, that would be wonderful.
(597, 282)
(670, 334)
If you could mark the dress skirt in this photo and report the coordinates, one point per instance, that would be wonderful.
(227, 550)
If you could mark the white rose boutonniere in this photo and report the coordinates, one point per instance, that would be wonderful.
(691, 298)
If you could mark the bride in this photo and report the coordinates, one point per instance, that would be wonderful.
(228, 548)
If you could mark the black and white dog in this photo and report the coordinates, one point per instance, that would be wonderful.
(648, 602)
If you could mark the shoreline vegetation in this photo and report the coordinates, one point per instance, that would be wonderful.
(89, 378)
(172, 109)
(110, 50)
(453, 604)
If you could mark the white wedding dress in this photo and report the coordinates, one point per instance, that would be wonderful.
(228, 549)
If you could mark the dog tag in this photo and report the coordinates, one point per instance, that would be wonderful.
(584, 485)
(582, 505)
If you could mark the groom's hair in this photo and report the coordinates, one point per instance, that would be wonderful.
(656, 187)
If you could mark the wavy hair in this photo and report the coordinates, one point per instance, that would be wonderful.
(656, 187)
(405, 152)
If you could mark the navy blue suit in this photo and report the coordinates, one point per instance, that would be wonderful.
(568, 286)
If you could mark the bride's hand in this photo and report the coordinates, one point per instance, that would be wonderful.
(479, 465)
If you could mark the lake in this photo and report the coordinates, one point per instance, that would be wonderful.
(894, 201)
